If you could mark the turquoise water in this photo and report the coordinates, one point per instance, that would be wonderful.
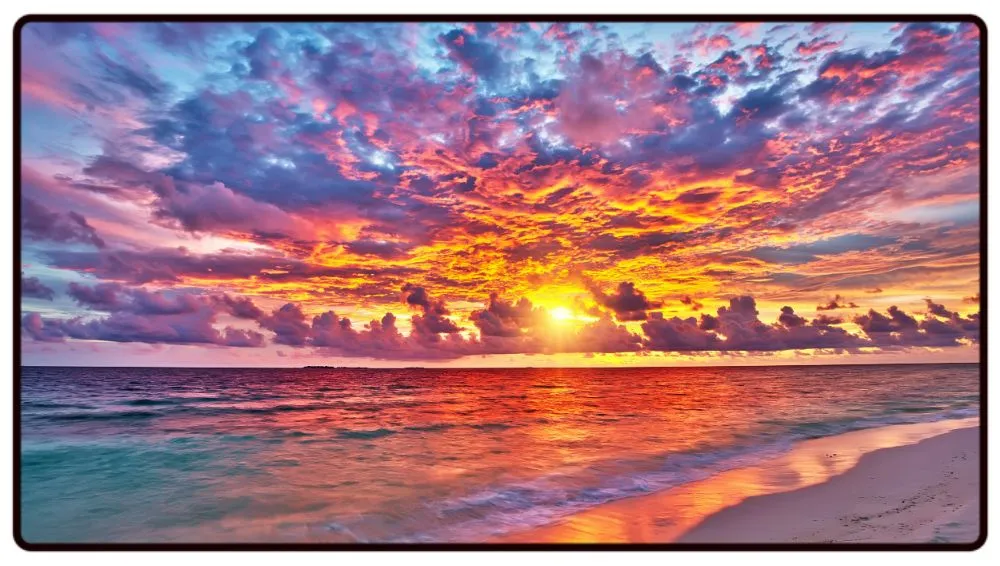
(357, 455)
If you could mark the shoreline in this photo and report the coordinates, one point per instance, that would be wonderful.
(899, 483)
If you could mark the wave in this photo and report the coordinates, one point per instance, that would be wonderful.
(502, 509)
(366, 434)
(104, 416)
(52, 405)
(180, 407)
(437, 427)
(149, 402)
(492, 426)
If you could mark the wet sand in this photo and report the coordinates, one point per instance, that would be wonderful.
(895, 484)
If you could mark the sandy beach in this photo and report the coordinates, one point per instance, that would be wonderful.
(924, 492)
(897, 484)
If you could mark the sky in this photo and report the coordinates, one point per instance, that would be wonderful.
(499, 194)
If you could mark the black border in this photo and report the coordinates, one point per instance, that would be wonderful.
(427, 18)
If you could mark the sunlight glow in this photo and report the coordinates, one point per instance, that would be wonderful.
(561, 314)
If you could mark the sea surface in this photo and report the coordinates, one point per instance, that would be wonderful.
(418, 455)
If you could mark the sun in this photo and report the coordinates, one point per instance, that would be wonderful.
(561, 314)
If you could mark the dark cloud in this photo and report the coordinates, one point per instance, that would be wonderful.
(505, 319)
(209, 207)
(417, 296)
(41, 223)
(434, 322)
(533, 250)
(627, 302)
(171, 265)
(628, 246)
(837, 302)
(789, 319)
(479, 57)
(878, 323)
(33, 325)
(288, 324)
(698, 196)
(680, 335)
(122, 326)
(155, 317)
(241, 338)
(33, 287)
(736, 327)
(140, 81)
(938, 309)
(897, 328)
(827, 320)
(115, 297)
(102, 297)
(688, 301)
(240, 307)
(378, 248)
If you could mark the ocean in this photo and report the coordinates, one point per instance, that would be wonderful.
(418, 455)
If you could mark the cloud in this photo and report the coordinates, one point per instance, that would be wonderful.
(507, 320)
(827, 320)
(211, 207)
(480, 58)
(610, 98)
(240, 307)
(122, 326)
(533, 250)
(172, 265)
(241, 338)
(698, 196)
(837, 302)
(789, 319)
(940, 329)
(378, 248)
(628, 246)
(114, 297)
(845, 77)
(678, 335)
(36, 327)
(138, 315)
(216, 208)
(705, 43)
(938, 309)
(805, 253)
(34, 288)
(688, 301)
(736, 327)
(604, 336)
(154, 317)
(102, 297)
(627, 302)
(434, 322)
(818, 44)
(379, 338)
(41, 223)
(288, 323)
